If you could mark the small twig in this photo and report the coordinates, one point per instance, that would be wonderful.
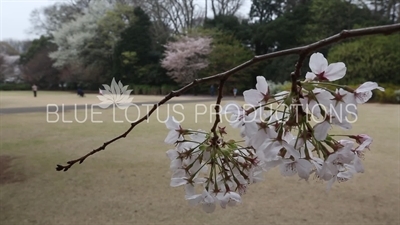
(303, 51)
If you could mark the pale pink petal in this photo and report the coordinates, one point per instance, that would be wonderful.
(209, 207)
(175, 182)
(327, 172)
(272, 149)
(235, 196)
(349, 100)
(271, 164)
(345, 175)
(288, 168)
(366, 142)
(179, 173)
(352, 110)
(324, 98)
(315, 108)
(172, 137)
(363, 97)
(172, 124)
(321, 130)
(290, 149)
(304, 168)
(207, 197)
(232, 108)
(258, 138)
(368, 86)
(310, 76)
(318, 63)
(194, 199)
(250, 128)
(175, 164)
(358, 166)
(172, 154)
(189, 191)
(335, 71)
(262, 85)
(253, 97)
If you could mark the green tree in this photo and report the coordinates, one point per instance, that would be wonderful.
(37, 67)
(330, 17)
(136, 57)
(228, 52)
(283, 32)
(369, 59)
(229, 23)
(265, 10)
(98, 52)
(36, 45)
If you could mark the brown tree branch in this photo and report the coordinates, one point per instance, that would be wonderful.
(303, 52)
(217, 109)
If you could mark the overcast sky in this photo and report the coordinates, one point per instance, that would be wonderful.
(14, 16)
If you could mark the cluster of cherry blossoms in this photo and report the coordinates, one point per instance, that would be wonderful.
(288, 130)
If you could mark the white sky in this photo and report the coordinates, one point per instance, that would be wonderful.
(14, 16)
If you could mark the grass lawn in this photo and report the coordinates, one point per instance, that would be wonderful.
(128, 183)
(16, 99)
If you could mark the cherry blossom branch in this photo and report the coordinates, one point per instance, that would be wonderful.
(303, 52)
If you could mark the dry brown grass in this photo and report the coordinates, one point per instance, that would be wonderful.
(129, 182)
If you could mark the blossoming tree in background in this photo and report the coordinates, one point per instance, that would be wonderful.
(289, 130)
(186, 57)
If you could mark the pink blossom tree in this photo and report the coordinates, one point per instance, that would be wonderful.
(186, 57)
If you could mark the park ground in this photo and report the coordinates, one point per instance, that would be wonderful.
(128, 183)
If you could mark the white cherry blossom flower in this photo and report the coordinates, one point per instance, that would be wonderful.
(207, 200)
(175, 132)
(302, 167)
(338, 115)
(342, 173)
(198, 136)
(344, 154)
(363, 140)
(240, 118)
(256, 174)
(237, 114)
(364, 92)
(261, 94)
(345, 102)
(269, 150)
(316, 100)
(228, 198)
(358, 166)
(321, 130)
(321, 71)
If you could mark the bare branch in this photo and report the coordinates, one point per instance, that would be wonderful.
(303, 52)
(217, 109)
(225, 7)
